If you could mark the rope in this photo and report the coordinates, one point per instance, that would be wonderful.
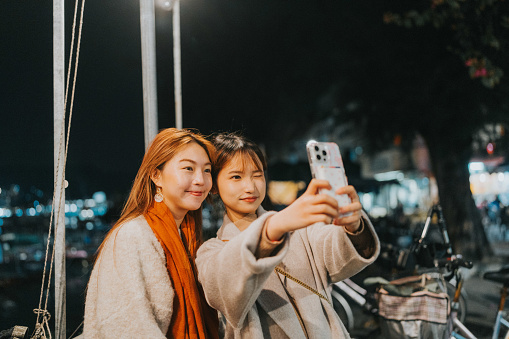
(41, 328)
(77, 328)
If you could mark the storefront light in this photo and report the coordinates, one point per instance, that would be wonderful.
(476, 167)
(388, 176)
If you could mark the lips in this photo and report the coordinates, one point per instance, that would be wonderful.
(196, 193)
(249, 199)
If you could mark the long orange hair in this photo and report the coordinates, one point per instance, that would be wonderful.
(163, 148)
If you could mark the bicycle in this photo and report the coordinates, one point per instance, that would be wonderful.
(453, 264)
(500, 276)
(348, 295)
(459, 330)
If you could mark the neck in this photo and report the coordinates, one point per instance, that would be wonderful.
(241, 220)
(178, 221)
(178, 217)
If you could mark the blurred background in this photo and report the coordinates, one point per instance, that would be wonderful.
(414, 93)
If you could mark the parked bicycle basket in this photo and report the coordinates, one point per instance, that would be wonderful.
(416, 307)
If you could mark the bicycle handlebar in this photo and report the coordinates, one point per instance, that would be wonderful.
(453, 262)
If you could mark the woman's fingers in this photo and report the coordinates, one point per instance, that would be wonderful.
(353, 207)
(316, 185)
(350, 191)
(326, 210)
(325, 199)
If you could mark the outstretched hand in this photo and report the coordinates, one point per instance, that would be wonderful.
(350, 215)
(310, 208)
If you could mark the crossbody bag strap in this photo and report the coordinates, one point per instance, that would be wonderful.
(303, 284)
(292, 301)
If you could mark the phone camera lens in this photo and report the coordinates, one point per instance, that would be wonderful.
(318, 157)
(324, 152)
(316, 148)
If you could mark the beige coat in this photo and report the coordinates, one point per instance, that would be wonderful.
(250, 295)
(129, 293)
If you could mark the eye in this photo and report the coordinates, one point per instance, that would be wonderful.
(208, 170)
(188, 168)
(235, 177)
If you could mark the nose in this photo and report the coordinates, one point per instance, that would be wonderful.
(249, 185)
(198, 178)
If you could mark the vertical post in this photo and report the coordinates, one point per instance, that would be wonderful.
(148, 61)
(58, 139)
(176, 64)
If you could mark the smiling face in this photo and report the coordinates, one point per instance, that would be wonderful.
(241, 186)
(185, 180)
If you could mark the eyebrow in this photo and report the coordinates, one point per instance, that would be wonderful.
(240, 172)
(192, 161)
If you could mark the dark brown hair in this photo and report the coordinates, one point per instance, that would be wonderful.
(230, 144)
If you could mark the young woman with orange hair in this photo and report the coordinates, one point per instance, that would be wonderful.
(144, 282)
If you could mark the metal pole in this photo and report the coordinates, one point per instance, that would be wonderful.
(58, 141)
(176, 64)
(148, 61)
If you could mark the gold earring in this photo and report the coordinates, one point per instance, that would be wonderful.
(159, 195)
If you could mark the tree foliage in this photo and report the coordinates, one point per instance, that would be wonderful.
(424, 89)
(477, 32)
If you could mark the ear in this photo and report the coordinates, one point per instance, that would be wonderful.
(155, 176)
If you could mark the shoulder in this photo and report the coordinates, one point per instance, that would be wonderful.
(135, 234)
(135, 228)
(211, 244)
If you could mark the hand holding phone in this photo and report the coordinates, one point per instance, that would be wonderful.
(326, 163)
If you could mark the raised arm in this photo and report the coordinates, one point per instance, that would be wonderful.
(310, 208)
(230, 273)
(348, 245)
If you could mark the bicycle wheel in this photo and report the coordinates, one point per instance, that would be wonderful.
(343, 310)
(462, 309)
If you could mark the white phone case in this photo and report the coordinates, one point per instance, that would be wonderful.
(326, 163)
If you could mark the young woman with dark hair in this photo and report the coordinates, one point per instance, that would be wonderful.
(268, 273)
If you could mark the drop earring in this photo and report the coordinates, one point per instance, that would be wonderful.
(159, 196)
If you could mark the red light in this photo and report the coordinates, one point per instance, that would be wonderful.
(490, 148)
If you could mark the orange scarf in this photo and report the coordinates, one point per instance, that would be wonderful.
(192, 316)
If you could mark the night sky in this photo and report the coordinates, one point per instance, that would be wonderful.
(252, 65)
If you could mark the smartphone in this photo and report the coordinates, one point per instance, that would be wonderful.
(326, 164)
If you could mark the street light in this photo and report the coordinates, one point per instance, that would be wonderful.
(165, 4)
(174, 5)
(148, 63)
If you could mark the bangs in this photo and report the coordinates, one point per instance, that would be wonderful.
(231, 147)
(249, 157)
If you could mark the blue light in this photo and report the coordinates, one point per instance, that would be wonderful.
(99, 197)
(101, 210)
